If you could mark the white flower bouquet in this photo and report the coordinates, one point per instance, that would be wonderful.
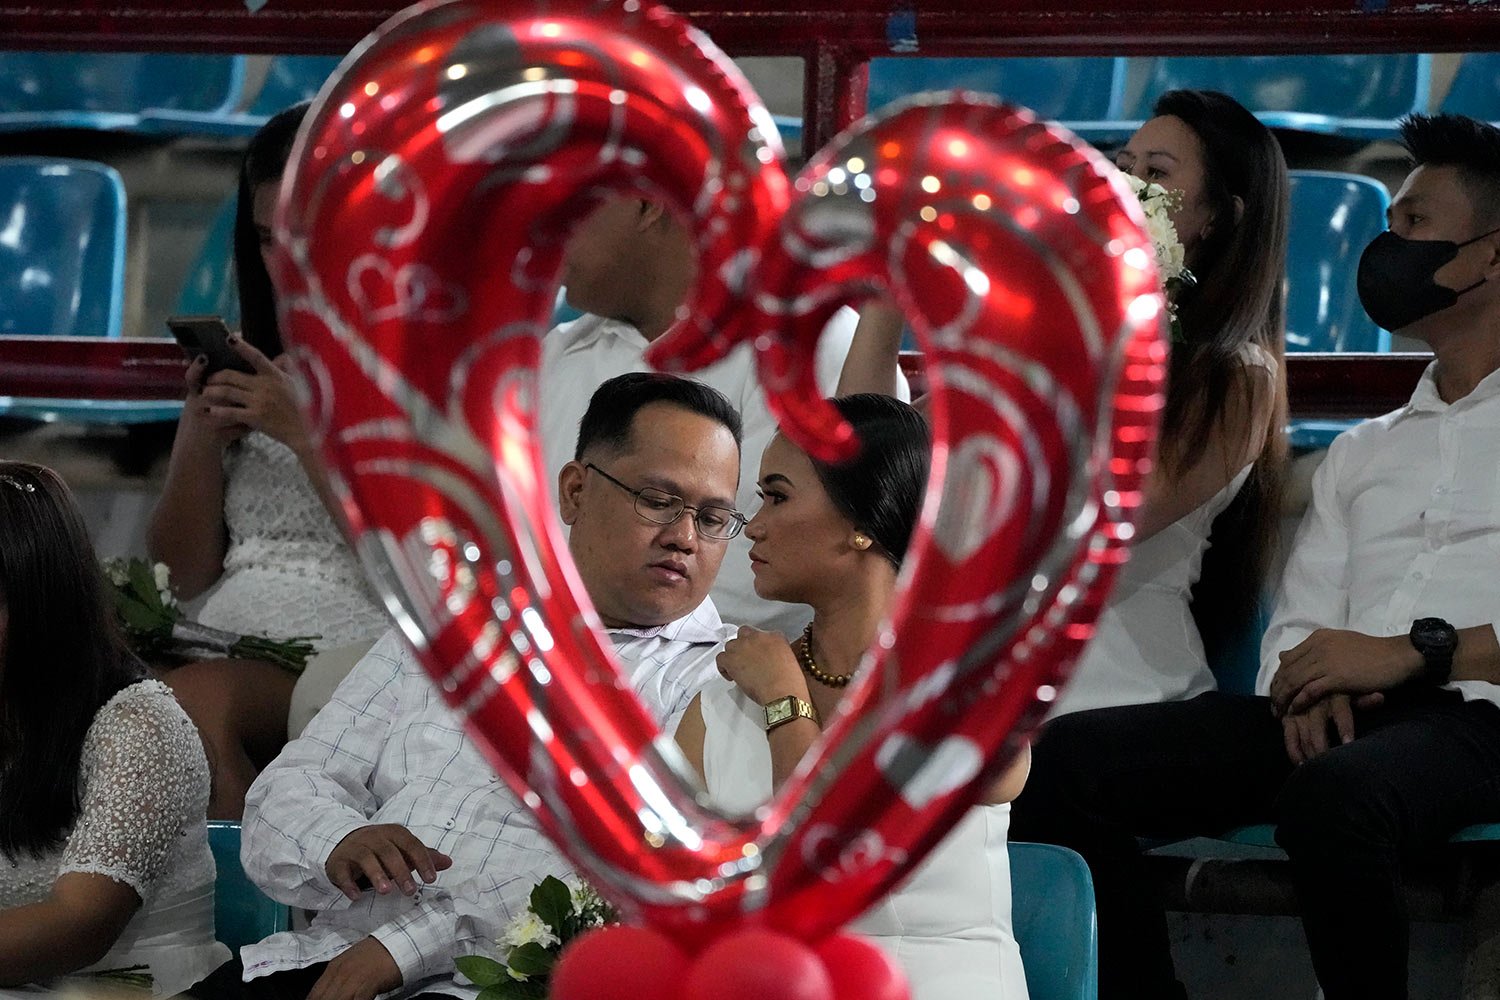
(558, 913)
(1171, 265)
(155, 627)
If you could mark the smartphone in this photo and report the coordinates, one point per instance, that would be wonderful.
(207, 335)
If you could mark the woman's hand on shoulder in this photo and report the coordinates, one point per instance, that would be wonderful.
(763, 665)
(265, 401)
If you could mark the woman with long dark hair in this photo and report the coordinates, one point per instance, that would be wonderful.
(245, 510)
(1207, 531)
(103, 782)
(833, 537)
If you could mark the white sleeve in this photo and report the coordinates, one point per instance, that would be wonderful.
(145, 781)
(1314, 587)
(317, 791)
(833, 348)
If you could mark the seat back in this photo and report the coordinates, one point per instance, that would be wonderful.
(1333, 217)
(242, 913)
(290, 80)
(211, 288)
(1053, 916)
(108, 89)
(1475, 90)
(1359, 95)
(62, 247)
(1064, 90)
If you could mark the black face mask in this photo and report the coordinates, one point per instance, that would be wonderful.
(1396, 278)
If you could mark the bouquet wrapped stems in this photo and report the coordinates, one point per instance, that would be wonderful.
(154, 624)
(290, 654)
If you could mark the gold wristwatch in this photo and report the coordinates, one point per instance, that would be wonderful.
(786, 709)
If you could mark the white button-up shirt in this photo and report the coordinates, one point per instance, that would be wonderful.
(387, 750)
(579, 356)
(1404, 524)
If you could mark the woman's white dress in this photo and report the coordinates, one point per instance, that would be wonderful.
(288, 570)
(949, 924)
(145, 794)
(1146, 647)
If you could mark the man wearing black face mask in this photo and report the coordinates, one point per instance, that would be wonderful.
(1378, 733)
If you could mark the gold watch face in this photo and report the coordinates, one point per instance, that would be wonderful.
(780, 710)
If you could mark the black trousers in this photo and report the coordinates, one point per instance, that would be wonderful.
(1424, 764)
(227, 983)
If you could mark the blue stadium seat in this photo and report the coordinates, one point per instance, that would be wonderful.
(289, 80)
(62, 247)
(62, 271)
(1084, 94)
(1052, 912)
(1475, 90)
(1355, 96)
(210, 288)
(1333, 217)
(159, 93)
(242, 913)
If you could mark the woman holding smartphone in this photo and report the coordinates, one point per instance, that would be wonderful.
(245, 510)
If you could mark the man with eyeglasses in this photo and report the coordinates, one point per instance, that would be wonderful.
(384, 791)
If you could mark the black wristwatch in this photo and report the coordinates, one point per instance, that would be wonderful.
(1436, 640)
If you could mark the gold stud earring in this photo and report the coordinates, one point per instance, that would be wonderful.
(860, 541)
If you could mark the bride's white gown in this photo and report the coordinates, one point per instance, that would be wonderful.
(949, 924)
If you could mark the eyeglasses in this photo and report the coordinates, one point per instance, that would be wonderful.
(661, 507)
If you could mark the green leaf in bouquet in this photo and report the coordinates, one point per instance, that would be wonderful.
(143, 584)
(552, 901)
(531, 959)
(138, 618)
(481, 971)
(514, 989)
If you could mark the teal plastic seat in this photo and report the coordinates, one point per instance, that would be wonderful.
(62, 272)
(289, 80)
(1333, 217)
(1475, 90)
(211, 288)
(1052, 912)
(116, 91)
(1083, 94)
(242, 913)
(1354, 96)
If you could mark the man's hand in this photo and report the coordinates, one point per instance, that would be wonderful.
(384, 854)
(363, 972)
(1306, 732)
(1337, 661)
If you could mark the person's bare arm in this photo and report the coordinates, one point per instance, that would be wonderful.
(187, 530)
(1237, 438)
(1010, 783)
(875, 352)
(74, 927)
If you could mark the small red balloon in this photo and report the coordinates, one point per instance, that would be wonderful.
(758, 964)
(619, 963)
(862, 970)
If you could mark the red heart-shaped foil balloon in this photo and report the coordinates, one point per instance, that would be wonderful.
(420, 238)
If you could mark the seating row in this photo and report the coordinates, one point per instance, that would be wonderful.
(1102, 99)
(149, 93)
(62, 269)
(1358, 97)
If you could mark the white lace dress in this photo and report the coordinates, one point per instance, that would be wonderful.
(145, 793)
(949, 924)
(288, 570)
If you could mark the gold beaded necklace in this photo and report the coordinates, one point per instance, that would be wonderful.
(805, 657)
